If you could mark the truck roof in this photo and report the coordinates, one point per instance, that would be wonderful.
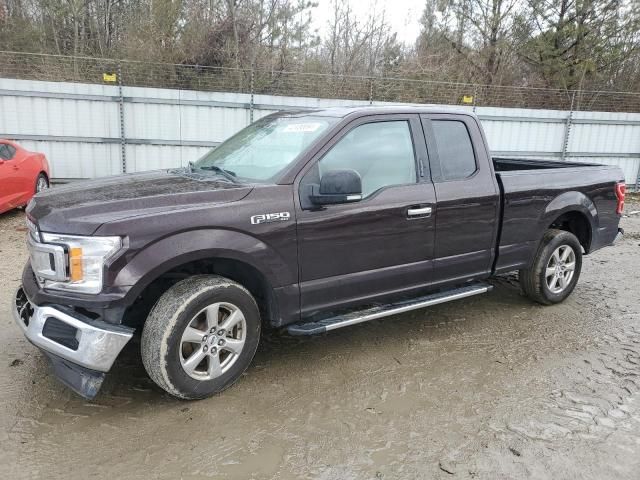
(343, 111)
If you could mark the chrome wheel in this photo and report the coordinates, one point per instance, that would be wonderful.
(560, 268)
(41, 184)
(212, 341)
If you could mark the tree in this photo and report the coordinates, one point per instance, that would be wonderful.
(578, 43)
(479, 31)
(359, 47)
(589, 44)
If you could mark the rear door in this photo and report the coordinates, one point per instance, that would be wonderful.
(356, 252)
(467, 198)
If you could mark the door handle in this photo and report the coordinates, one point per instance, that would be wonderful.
(419, 211)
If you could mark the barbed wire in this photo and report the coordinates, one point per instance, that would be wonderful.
(135, 73)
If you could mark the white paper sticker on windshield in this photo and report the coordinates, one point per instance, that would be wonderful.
(301, 127)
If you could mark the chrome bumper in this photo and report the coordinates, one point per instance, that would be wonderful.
(92, 344)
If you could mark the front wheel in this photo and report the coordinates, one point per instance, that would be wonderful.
(555, 269)
(200, 336)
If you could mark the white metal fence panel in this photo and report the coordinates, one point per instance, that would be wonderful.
(73, 159)
(628, 165)
(78, 126)
(524, 132)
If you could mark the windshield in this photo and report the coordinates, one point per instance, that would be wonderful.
(263, 149)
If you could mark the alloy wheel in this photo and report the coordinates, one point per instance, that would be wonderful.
(560, 268)
(42, 184)
(212, 341)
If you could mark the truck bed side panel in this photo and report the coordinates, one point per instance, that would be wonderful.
(534, 199)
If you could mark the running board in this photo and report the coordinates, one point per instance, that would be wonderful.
(359, 316)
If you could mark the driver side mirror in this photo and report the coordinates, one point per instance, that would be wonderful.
(337, 186)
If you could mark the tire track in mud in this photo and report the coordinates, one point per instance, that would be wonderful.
(589, 417)
(598, 394)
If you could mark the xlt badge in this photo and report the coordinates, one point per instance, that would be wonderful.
(270, 217)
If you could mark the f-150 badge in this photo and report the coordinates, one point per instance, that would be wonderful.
(270, 217)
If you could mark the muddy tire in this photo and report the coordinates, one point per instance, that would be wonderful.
(200, 336)
(555, 270)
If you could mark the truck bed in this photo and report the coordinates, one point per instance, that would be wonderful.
(535, 192)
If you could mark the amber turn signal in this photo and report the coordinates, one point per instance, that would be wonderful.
(75, 264)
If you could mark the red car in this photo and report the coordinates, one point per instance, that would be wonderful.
(22, 175)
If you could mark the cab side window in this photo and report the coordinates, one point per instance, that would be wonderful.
(455, 150)
(381, 152)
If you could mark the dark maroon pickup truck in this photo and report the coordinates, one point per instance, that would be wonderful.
(310, 220)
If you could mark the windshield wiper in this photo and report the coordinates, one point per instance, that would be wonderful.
(228, 174)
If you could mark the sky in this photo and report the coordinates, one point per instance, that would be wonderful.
(402, 15)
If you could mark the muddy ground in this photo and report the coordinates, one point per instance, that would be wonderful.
(489, 387)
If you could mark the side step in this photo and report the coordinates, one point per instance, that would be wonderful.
(373, 313)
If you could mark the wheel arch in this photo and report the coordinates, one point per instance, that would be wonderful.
(149, 271)
(149, 289)
(573, 212)
(576, 223)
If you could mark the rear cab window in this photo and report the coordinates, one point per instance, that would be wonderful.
(451, 150)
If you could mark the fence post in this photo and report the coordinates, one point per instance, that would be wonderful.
(123, 140)
(475, 98)
(370, 90)
(567, 128)
(251, 104)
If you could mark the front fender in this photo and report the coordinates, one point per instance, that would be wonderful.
(147, 264)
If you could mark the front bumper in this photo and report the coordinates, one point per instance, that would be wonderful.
(80, 345)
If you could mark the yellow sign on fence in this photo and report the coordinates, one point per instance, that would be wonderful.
(109, 77)
(467, 99)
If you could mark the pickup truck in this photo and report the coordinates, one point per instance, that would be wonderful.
(308, 221)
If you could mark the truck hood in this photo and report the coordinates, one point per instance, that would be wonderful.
(81, 208)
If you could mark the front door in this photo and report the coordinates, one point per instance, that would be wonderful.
(354, 253)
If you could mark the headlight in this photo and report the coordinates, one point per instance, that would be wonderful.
(86, 257)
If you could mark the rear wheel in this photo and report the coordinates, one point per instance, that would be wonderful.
(42, 183)
(200, 336)
(555, 269)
